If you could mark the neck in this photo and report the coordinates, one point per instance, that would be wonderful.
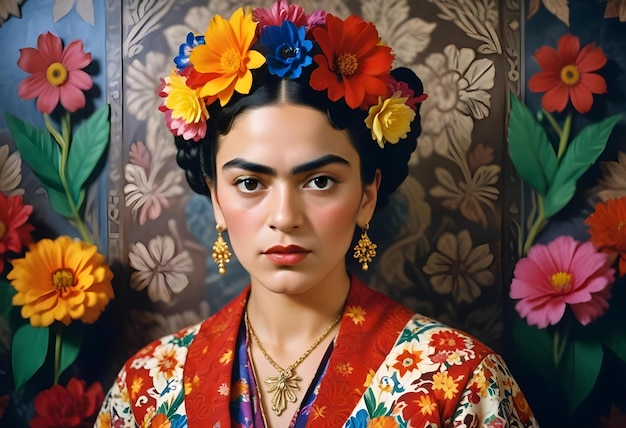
(296, 319)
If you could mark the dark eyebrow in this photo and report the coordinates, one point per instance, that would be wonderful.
(318, 163)
(249, 166)
(298, 169)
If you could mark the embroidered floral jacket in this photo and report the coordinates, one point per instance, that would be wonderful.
(389, 368)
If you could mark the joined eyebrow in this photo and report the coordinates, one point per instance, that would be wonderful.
(298, 169)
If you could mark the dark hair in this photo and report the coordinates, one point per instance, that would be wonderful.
(198, 158)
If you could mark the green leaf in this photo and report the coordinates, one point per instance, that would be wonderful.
(6, 296)
(70, 346)
(88, 145)
(38, 150)
(617, 343)
(539, 355)
(582, 152)
(370, 401)
(58, 201)
(28, 352)
(529, 148)
(579, 369)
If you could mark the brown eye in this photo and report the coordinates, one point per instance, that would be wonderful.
(321, 182)
(248, 184)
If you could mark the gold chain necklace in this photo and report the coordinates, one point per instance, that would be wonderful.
(283, 386)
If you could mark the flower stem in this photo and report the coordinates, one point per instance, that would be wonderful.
(553, 122)
(57, 356)
(536, 227)
(564, 136)
(63, 139)
(559, 344)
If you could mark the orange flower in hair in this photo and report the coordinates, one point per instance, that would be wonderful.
(222, 65)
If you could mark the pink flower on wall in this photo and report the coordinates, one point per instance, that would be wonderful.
(564, 272)
(56, 74)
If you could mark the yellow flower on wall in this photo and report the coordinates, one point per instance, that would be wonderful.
(61, 279)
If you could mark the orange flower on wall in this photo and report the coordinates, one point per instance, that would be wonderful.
(606, 227)
(61, 280)
(567, 75)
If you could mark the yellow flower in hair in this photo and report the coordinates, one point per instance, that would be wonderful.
(222, 65)
(184, 102)
(390, 119)
(61, 280)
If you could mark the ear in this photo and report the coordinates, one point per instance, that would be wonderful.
(217, 209)
(368, 201)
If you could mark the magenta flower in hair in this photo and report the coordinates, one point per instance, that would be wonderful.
(288, 49)
(281, 11)
(563, 273)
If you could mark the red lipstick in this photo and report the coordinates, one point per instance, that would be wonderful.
(286, 255)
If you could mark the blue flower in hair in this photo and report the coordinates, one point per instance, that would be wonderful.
(182, 60)
(288, 49)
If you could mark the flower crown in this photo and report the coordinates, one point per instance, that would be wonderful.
(352, 64)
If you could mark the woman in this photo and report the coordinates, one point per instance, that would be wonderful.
(298, 129)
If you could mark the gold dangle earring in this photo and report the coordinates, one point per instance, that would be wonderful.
(365, 249)
(221, 252)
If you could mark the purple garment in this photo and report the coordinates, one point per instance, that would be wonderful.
(245, 409)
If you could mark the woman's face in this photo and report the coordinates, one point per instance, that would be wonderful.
(289, 192)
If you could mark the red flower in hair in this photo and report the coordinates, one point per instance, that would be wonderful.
(567, 75)
(71, 407)
(353, 64)
(14, 231)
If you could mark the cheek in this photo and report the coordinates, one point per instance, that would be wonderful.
(338, 219)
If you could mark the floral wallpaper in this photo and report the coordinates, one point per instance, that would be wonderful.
(440, 238)
(444, 242)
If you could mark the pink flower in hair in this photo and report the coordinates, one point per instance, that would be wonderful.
(406, 91)
(281, 11)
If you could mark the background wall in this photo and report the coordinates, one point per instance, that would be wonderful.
(447, 242)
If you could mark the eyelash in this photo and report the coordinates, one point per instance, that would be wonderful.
(330, 181)
(242, 182)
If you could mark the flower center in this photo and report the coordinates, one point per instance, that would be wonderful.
(230, 61)
(619, 227)
(3, 229)
(347, 64)
(56, 74)
(287, 51)
(561, 280)
(570, 75)
(62, 279)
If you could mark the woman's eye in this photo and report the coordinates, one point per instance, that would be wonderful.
(321, 182)
(248, 185)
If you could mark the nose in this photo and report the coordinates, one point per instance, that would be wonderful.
(285, 209)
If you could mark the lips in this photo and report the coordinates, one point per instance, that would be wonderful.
(289, 249)
(289, 255)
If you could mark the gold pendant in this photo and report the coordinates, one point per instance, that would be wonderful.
(282, 388)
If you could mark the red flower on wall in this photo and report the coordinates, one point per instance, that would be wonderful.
(567, 75)
(14, 229)
(71, 407)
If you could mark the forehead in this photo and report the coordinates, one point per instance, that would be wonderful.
(285, 131)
